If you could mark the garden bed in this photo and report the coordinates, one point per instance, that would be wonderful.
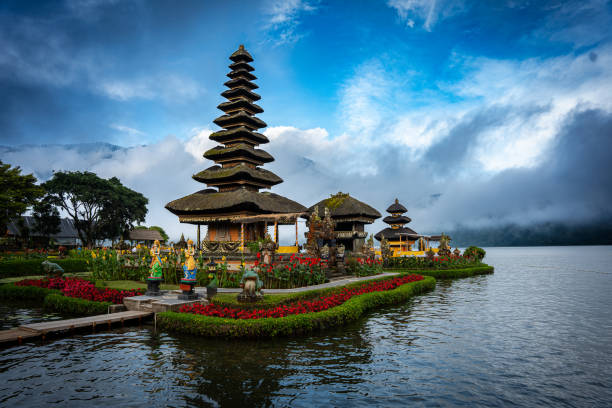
(67, 295)
(452, 273)
(301, 321)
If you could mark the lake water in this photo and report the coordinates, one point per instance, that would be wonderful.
(536, 333)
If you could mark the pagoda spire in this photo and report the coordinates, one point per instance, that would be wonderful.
(396, 220)
(238, 158)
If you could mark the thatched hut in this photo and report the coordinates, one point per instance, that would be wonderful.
(350, 216)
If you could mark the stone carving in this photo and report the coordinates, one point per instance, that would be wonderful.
(51, 268)
(251, 287)
(385, 249)
(444, 249)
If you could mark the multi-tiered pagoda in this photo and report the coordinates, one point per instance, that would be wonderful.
(400, 237)
(230, 208)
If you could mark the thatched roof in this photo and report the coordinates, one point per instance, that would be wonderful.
(236, 151)
(242, 73)
(240, 103)
(343, 206)
(66, 226)
(218, 174)
(438, 237)
(212, 202)
(396, 207)
(240, 81)
(240, 133)
(144, 235)
(240, 91)
(241, 66)
(239, 118)
(397, 220)
(241, 55)
(391, 234)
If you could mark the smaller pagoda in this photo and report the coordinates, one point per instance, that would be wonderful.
(400, 237)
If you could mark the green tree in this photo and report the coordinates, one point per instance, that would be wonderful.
(161, 232)
(156, 228)
(124, 208)
(17, 193)
(46, 219)
(99, 208)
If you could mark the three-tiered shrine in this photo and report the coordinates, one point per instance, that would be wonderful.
(233, 208)
(400, 237)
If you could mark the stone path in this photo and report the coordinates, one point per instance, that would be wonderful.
(332, 284)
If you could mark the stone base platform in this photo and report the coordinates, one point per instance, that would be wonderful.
(157, 304)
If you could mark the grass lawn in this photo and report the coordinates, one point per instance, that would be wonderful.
(83, 275)
(128, 284)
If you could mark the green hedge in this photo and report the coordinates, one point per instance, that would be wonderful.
(271, 301)
(293, 324)
(53, 299)
(452, 273)
(12, 292)
(29, 267)
(63, 304)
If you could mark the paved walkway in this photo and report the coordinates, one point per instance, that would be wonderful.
(332, 284)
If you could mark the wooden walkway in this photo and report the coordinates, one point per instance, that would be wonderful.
(99, 322)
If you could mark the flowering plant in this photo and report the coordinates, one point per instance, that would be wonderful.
(82, 289)
(304, 306)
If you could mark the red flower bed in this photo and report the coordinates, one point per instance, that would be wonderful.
(306, 306)
(82, 289)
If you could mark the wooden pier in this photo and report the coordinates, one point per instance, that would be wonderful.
(99, 322)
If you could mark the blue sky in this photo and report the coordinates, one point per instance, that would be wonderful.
(412, 98)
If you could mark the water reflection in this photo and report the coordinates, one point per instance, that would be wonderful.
(537, 332)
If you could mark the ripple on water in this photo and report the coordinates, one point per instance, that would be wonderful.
(537, 332)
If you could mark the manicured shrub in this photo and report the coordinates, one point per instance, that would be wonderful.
(334, 299)
(475, 252)
(81, 288)
(64, 304)
(453, 273)
(292, 324)
(13, 292)
(28, 267)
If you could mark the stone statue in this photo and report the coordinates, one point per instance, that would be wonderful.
(156, 264)
(444, 249)
(189, 268)
(52, 268)
(340, 252)
(457, 252)
(251, 287)
(325, 252)
(385, 249)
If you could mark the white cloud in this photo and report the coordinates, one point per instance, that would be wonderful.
(283, 19)
(531, 99)
(429, 12)
(168, 87)
(126, 129)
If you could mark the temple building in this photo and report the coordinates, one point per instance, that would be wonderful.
(232, 207)
(350, 216)
(400, 237)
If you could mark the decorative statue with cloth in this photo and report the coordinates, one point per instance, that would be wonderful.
(189, 268)
(156, 264)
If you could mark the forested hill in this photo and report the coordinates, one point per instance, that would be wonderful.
(534, 235)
